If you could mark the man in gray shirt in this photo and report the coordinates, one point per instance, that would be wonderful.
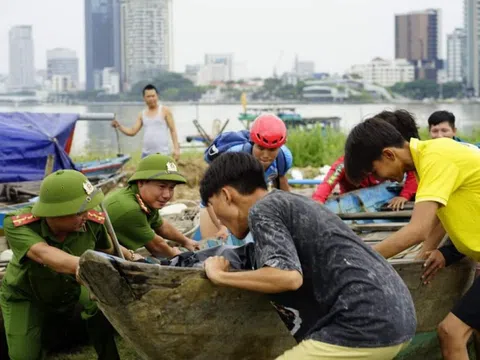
(335, 294)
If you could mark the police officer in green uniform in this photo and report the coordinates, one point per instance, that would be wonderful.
(134, 210)
(41, 283)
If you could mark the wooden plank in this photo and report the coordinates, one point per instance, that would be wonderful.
(377, 227)
(376, 236)
(408, 206)
(404, 214)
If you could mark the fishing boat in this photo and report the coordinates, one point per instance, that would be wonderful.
(166, 312)
(97, 169)
(290, 117)
(176, 313)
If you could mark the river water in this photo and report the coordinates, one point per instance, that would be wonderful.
(99, 137)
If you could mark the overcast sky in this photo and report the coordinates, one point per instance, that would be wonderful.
(261, 33)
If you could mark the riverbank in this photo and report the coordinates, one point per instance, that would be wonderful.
(124, 103)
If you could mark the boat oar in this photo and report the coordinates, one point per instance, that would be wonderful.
(119, 150)
(111, 232)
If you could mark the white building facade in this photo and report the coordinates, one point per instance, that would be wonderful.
(385, 72)
(21, 58)
(456, 55)
(146, 39)
(63, 62)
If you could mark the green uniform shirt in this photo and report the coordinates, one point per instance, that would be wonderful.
(133, 222)
(26, 279)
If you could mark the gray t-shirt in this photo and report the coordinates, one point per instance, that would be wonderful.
(351, 296)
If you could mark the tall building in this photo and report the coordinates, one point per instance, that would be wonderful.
(304, 69)
(146, 38)
(472, 46)
(102, 39)
(223, 59)
(456, 55)
(22, 66)
(418, 40)
(63, 62)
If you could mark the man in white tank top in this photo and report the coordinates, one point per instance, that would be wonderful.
(158, 122)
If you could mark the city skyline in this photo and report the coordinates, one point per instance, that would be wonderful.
(263, 34)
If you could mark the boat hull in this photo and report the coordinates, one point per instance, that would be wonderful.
(435, 300)
(101, 168)
(176, 313)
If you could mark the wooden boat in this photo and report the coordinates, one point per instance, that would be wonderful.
(166, 312)
(290, 117)
(101, 168)
(363, 200)
(176, 313)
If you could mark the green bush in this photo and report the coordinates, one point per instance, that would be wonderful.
(315, 147)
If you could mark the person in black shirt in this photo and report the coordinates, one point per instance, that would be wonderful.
(335, 294)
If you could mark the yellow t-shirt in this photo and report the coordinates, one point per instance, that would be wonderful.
(449, 174)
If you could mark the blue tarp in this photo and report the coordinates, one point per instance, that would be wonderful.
(26, 140)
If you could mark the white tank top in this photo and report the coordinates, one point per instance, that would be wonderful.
(156, 133)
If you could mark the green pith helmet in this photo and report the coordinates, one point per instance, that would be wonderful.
(157, 167)
(66, 192)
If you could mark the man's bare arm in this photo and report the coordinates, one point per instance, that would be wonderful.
(130, 131)
(173, 132)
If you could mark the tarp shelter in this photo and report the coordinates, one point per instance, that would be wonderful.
(27, 140)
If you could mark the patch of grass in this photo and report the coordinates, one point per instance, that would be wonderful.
(315, 147)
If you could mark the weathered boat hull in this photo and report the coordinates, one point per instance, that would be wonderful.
(435, 300)
(101, 168)
(175, 313)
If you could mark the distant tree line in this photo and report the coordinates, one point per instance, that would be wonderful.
(174, 87)
(422, 89)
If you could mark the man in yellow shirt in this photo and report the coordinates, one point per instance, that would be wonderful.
(448, 197)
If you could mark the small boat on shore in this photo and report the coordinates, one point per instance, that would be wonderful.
(166, 312)
(176, 313)
(97, 169)
(290, 117)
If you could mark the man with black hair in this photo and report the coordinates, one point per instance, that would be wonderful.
(158, 122)
(441, 124)
(448, 198)
(337, 296)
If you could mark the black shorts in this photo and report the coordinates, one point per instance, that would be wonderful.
(467, 309)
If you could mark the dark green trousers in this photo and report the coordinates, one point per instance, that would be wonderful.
(27, 326)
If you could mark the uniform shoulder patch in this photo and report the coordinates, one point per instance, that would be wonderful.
(96, 216)
(24, 219)
(142, 204)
